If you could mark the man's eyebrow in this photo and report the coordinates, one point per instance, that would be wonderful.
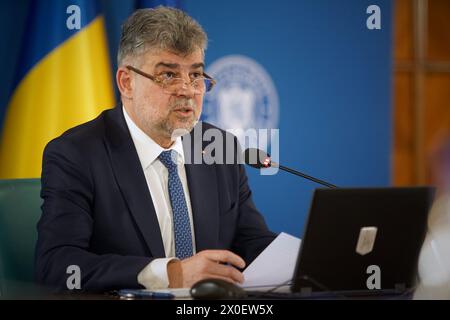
(198, 65)
(167, 65)
(176, 65)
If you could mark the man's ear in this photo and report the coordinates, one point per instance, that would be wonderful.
(124, 82)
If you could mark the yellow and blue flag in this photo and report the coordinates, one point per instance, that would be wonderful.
(64, 79)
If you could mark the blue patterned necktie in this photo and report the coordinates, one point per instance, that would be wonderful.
(181, 223)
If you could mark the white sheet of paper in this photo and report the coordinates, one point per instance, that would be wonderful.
(275, 265)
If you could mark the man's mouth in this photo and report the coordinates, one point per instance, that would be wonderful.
(184, 111)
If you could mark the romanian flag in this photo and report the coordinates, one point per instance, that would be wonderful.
(64, 79)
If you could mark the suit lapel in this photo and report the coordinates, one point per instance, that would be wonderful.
(131, 180)
(202, 182)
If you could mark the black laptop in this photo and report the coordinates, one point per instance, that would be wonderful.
(362, 241)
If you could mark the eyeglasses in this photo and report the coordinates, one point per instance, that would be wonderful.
(201, 84)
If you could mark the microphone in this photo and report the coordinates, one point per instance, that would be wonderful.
(259, 159)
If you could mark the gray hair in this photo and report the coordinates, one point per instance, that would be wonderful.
(160, 28)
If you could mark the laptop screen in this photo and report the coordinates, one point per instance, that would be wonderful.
(362, 239)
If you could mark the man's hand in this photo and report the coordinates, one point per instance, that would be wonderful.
(203, 265)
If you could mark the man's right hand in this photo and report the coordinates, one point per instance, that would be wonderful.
(219, 264)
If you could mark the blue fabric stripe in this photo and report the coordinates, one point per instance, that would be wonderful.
(46, 29)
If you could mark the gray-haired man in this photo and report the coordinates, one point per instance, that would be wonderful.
(122, 202)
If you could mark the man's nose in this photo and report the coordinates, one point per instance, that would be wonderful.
(186, 89)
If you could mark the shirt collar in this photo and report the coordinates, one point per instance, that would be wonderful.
(148, 150)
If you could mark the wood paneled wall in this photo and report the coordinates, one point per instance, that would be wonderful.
(421, 87)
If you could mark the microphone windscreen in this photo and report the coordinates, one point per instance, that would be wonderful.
(256, 158)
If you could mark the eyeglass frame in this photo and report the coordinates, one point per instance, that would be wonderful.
(161, 82)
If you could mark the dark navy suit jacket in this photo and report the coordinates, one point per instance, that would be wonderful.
(98, 213)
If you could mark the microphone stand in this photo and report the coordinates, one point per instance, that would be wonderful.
(297, 173)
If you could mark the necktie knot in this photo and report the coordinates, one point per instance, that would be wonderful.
(168, 159)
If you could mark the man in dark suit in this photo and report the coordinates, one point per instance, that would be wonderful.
(125, 200)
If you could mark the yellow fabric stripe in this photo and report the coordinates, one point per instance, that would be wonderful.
(71, 85)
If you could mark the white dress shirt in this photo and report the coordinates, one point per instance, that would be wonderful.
(154, 275)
